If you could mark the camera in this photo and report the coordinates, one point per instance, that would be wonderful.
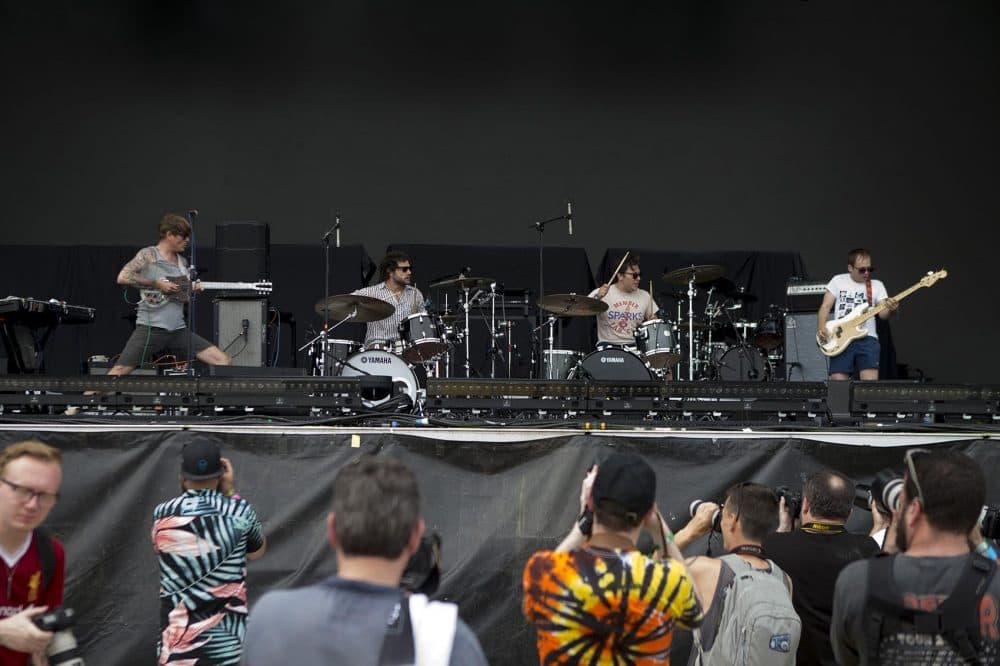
(62, 650)
(989, 521)
(885, 489)
(793, 500)
(423, 572)
(716, 516)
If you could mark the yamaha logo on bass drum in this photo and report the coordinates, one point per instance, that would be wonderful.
(383, 360)
(612, 359)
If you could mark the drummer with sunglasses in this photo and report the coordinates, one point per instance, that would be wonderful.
(628, 306)
(845, 292)
(396, 272)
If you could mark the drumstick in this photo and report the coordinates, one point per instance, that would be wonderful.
(620, 264)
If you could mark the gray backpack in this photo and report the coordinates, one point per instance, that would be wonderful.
(758, 624)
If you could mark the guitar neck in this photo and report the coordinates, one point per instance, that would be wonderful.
(247, 286)
(874, 310)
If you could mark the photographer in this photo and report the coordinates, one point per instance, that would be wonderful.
(815, 553)
(33, 562)
(936, 600)
(361, 615)
(630, 614)
(749, 615)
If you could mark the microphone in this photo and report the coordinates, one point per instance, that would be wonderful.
(192, 213)
(569, 215)
(336, 227)
(246, 328)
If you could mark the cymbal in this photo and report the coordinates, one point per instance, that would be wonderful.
(368, 308)
(702, 273)
(572, 305)
(463, 282)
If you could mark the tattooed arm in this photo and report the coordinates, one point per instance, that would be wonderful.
(131, 274)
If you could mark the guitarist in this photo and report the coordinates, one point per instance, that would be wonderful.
(160, 322)
(845, 292)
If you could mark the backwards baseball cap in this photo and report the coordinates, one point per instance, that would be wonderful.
(625, 485)
(201, 459)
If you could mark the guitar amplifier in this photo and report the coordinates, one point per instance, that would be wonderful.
(804, 296)
(240, 329)
(803, 360)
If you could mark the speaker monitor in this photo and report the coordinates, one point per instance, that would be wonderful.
(242, 252)
(240, 329)
(803, 360)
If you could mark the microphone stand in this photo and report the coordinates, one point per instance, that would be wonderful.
(192, 278)
(326, 282)
(541, 265)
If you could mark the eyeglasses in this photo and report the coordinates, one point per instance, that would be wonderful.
(865, 269)
(405, 269)
(913, 474)
(25, 494)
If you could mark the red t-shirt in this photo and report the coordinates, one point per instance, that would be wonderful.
(21, 587)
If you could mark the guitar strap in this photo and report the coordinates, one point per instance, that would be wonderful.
(868, 288)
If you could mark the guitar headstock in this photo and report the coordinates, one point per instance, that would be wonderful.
(933, 277)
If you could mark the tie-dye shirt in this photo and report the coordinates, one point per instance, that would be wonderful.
(202, 539)
(614, 607)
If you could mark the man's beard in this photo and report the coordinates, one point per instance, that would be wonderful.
(901, 534)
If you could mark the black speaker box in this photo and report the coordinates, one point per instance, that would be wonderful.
(242, 252)
(803, 360)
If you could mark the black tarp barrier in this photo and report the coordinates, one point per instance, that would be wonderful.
(493, 502)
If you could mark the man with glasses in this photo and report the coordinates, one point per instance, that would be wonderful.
(395, 289)
(33, 562)
(159, 273)
(935, 601)
(628, 306)
(845, 292)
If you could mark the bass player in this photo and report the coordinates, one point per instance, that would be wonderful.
(845, 292)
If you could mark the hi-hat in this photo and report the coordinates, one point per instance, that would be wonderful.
(463, 282)
(341, 307)
(571, 305)
(702, 273)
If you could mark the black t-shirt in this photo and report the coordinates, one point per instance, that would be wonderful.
(813, 561)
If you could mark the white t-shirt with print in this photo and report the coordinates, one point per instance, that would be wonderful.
(850, 294)
(626, 311)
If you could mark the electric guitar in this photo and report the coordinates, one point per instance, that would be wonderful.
(842, 332)
(155, 297)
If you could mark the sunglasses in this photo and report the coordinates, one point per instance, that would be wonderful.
(405, 269)
(865, 269)
(912, 469)
(635, 275)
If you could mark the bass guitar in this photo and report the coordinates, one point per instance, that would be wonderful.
(842, 332)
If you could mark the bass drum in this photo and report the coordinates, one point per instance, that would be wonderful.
(743, 364)
(613, 364)
(382, 364)
(558, 363)
(770, 332)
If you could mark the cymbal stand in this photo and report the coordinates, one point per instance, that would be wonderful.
(494, 350)
(691, 294)
(551, 323)
(325, 332)
(465, 306)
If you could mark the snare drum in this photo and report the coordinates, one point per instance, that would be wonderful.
(329, 355)
(557, 363)
(391, 346)
(381, 364)
(657, 343)
(770, 332)
(423, 337)
(743, 363)
(613, 364)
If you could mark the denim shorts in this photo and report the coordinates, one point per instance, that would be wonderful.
(861, 354)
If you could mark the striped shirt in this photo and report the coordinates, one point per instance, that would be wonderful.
(411, 301)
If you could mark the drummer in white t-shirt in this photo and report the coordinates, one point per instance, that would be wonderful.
(845, 292)
(628, 306)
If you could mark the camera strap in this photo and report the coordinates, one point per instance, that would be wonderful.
(398, 648)
(823, 528)
(46, 557)
(748, 549)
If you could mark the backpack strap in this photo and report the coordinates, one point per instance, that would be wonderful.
(46, 557)
(955, 620)
(398, 648)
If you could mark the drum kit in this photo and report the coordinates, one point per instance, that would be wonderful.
(718, 346)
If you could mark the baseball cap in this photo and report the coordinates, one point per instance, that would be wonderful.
(200, 460)
(626, 480)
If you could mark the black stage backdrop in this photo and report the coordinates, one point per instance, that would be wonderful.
(493, 502)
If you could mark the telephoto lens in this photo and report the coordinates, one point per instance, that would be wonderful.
(63, 650)
(716, 516)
